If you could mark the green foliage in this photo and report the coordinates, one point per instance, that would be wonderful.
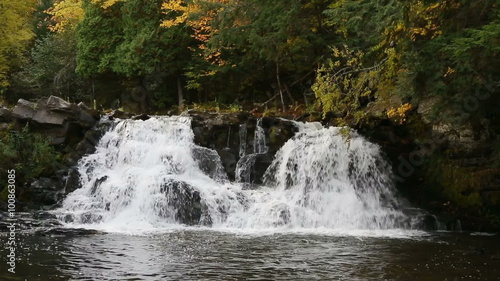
(146, 47)
(343, 82)
(15, 34)
(98, 35)
(249, 51)
(51, 70)
(364, 23)
(275, 44)
(215, 106)
(437, 48)
(30, 154)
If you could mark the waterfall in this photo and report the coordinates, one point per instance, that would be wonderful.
(247, 161)
(150, 174)
(259, 146)
(243, 140)
(332, 177)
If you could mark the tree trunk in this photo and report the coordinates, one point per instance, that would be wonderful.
(180, 93)
(279, 85)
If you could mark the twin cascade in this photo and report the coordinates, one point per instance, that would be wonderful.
(150, 175)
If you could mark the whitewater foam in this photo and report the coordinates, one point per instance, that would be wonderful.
(150, 176)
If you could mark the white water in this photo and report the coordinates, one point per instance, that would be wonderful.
(243, 140)
(318, 182)
(247, 161)
(259, 145)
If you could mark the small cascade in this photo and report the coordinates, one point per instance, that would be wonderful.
(245, 164)
(259, 145)
(150, 175)
(243, 140)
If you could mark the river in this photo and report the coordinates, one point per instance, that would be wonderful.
(204, 254)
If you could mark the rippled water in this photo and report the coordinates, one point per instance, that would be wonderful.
(201, 254)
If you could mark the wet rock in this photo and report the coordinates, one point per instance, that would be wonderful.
(278, 132)
(454, 225)
(142, 117)
(228, 160)
(219, 132)
(86, 120)
(121, 114)
(92, 137)
(26, 220)
(210, 163)
(428, 223)
(183, 203)
(253, 167)
(89, 218)
(72, 181)
(284, 216)
(262, 162)
(98, 183)
(42, 215)
(42, 192)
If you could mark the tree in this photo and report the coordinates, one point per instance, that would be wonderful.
(15, 34)
(125, 39)
(51, 68)
(244, 43)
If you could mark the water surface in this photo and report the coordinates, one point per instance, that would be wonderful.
(201, 254)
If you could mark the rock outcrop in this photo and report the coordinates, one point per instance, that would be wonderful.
(61, 121)
(222, 132)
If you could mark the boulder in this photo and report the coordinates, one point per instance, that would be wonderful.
(210, 163)
(228, 160)
(121, 114)
(94, 113)
(59, 120)
(54, 103)
(43, 192)
(72, 182)
(183, 204)
(44, 117)
(24, 110)
(5, 114)
(85, 119)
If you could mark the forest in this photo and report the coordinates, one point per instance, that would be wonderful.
(340, 56)
(403, 72)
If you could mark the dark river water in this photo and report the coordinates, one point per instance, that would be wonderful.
(201, 254)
